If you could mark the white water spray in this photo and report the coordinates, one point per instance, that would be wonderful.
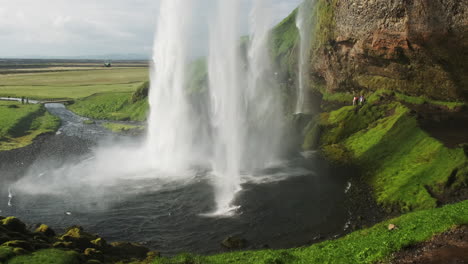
(228, 111)
(171, 131)
(304, 27)
(246, 113)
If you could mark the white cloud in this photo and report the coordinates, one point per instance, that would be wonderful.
(87, 27)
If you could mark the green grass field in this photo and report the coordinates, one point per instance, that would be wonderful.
(21, 124)
(72, 84)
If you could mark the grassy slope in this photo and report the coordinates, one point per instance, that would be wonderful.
(72, 84)
(21, 125)
(115, 106)
(111, 106)
(402, 163)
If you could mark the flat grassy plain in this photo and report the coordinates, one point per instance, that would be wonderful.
(72, 84)
(99, 93)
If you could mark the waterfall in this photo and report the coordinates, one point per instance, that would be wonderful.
(170, 132)
(245, 117)
(246, 112)
(304, 27)
(227, 85)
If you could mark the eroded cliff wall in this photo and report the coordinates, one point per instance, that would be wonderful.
(418, 47)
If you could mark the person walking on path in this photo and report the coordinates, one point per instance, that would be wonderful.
(355, 100)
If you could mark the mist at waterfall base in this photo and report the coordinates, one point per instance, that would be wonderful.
(211, 166)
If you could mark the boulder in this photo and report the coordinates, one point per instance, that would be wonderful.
(61, 244)
(92, 253)
(14, 224)
(46, 230)
(234, 242)
(79, 238)
(100, 243)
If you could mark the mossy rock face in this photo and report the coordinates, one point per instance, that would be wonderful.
(100, 243)
(374, 46)
(61, 244)
(92, 253)
(46, 230)
(14, 224)
(79, 238)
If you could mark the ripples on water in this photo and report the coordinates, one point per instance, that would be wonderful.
(280, 207)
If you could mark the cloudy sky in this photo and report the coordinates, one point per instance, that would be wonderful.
(95, 27)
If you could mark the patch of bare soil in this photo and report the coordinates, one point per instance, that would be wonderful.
(450, 247)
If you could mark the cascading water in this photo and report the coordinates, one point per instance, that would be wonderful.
(304, 27)
(265, 109)
(226, 83)
(246, 113)
(171, 131)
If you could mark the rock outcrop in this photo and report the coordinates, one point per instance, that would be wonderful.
(16, 239)
(418, 47)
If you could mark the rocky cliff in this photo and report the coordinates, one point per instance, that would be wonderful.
(418, 47)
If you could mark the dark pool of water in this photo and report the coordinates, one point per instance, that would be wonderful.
(169, 217)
